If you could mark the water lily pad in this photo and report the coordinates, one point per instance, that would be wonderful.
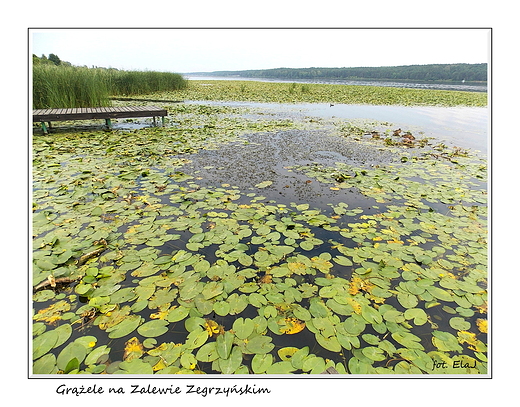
(287, 353)
(44, 343)
(237, 303)
(330, 343)
(354, 325)
(125, 327)
(373, 353)
(460, 324)
(64, 333)
(135, 366)
(232, 363)
(283, 367)
(243, 328)
(94, 356)
(408, 340)
(45, 365)
(212, 289)
(196, 339)
(261, 362)
(71, 357)
(224, 344)
(207, 352)
(439, 293)
(407, 300)
(221, 308)
(418, 315)
(177, 314)
(264, 184)
(371, 315)
(260, 345)
(318, 309)
(314, 364)
(152, 329)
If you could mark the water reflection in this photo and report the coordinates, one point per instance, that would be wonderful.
(465, 127)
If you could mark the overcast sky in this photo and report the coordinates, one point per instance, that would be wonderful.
(206, 50)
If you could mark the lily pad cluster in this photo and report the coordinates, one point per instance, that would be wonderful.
(185, 278)
(257, 91)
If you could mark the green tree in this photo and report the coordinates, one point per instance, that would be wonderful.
(55, 59)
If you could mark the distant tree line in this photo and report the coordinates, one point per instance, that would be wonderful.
(52, 59)
(433, 72)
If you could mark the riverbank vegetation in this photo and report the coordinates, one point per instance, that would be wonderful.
(66, 86)
(431, 72)
(269, 92)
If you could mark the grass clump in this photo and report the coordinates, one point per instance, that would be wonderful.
(70, 86)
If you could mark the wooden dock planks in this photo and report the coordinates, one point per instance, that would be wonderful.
(88, 113)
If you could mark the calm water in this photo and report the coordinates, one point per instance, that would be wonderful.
(462, 86)
(465, 127)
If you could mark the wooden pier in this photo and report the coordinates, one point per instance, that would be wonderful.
(89, 113)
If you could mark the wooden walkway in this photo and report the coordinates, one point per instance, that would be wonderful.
(89, 113)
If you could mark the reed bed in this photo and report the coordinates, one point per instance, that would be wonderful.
(65, 87)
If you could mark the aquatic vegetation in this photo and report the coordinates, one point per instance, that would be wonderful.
(321, 93)
(167, 275)
(70, 86)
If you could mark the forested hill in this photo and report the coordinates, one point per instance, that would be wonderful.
(434, 72)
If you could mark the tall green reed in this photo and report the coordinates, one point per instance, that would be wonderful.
(66, 86)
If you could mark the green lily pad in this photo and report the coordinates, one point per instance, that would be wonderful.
(460, 324)
(330, 343)
(196, 339)
(418, 315)
(93, 357)
(243, 328)
(152, 329)
(64, 333)
(221, 308)
(314, 364)
(261, 362)
(232, 363)
(207, 352)
(371, 315)
(45, 365)
(354, 325)
(224, 344)
(408, 340)
(407, 300)
(135, 366)
(125, 327)
(283, 367)
(264, 184)
(287, 353)
(71, 357)
(260, 345)
(212, 289)
(177, 314)
(439, 293)
(44, 343)
(373, 353)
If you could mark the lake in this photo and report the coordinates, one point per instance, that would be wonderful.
(263, 238)
(461, 86)
(465, 127)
